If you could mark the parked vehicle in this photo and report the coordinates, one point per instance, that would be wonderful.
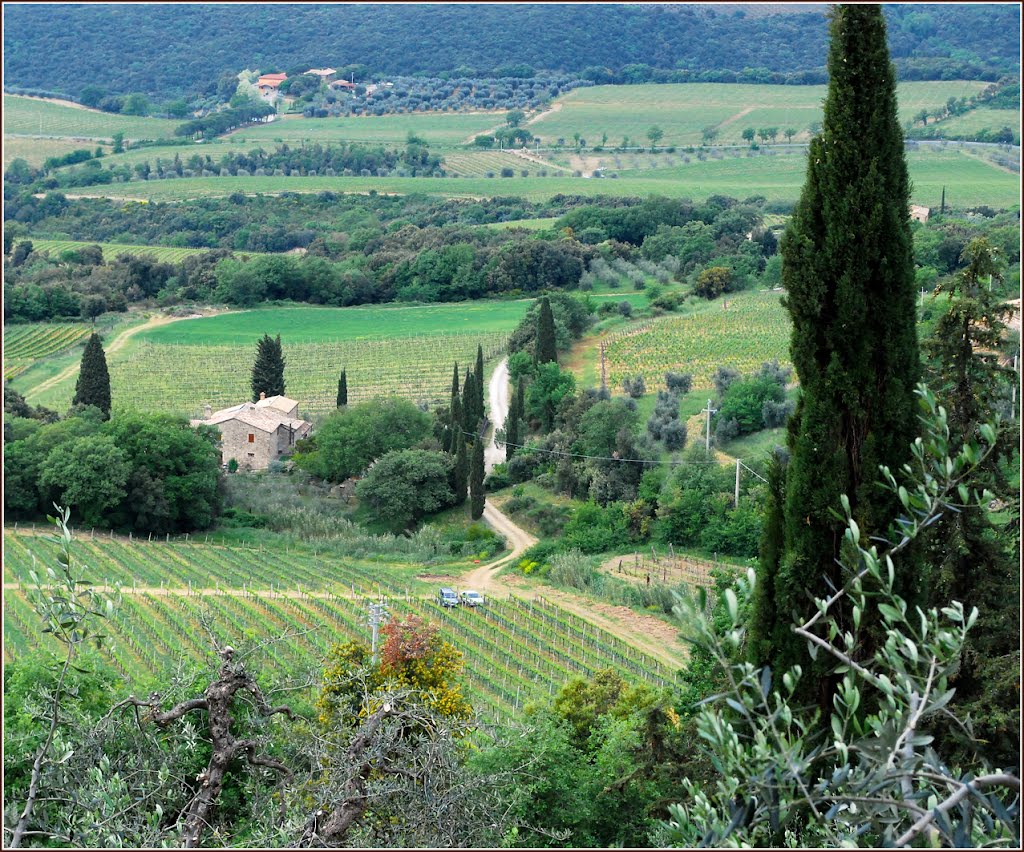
(447, 597)
(470, 598)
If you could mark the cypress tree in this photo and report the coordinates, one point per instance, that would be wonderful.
(342, 389)
(476, 481)
(515, 417)
(268, 369)
(460, 471)
(93, 387)
(469, 418)
(455, 425)
(848, 274)
(479, 374)
(545, 349)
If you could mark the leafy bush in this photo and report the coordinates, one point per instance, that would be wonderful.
(635, 387)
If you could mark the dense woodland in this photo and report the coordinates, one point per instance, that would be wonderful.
(183, 51)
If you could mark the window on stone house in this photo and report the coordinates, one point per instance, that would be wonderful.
(252, 438)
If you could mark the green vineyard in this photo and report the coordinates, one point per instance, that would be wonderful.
(181, 379)
(753, 329)
(514, 649)
(164, 254)
(24, 344)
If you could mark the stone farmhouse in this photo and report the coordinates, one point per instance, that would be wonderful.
(256, 433)
(268, 85)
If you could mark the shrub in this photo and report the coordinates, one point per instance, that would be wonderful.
(635, 387)
(678, 383)
(674, 435)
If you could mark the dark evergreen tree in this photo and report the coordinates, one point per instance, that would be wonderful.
(460, 472)
(476, 481)
(93, 387)
(514, 418)
(545, 349)
(455, 408)
(479, 375)
(268, 369)
(848, 273)
(342, 390)
(469, 414)
(971, 557)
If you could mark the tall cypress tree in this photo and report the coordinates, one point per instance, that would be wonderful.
(476, 481)
(516, 410)
(469, 417)
(93, 387)
(268, 369)
(849, 278)
(545, 344)
(455, 409)
(342, 389)
(479, 375)
(460, 471)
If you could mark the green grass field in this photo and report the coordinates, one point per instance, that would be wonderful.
(36, 151)
(513, 650)
(969, 182)
(683, 110)
(982, 118)
(438, 129)
(35, 117)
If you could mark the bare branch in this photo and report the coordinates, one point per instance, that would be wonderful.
(997, 780)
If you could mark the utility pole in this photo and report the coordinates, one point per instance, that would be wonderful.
(378, 614)
(1013, 391)
(707, 438)
(736, 499)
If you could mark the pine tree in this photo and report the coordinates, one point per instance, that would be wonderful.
(342, 390)
(479, 375)
(849, 278)
(93, 387)
(268, 369)
(545, 350)
(460, 471)
(476, 481)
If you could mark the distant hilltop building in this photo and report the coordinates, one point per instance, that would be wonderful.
(342, 84)
(322, 73)
(256, 433)
(268, 84)
(919, 213)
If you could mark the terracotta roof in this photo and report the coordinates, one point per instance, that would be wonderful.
(266, 418)
(269, 84)
(344, 83)
(281, 77)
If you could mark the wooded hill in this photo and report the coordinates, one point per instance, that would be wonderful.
(179, 49)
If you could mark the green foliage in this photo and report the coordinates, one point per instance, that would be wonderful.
(350, 439)
(547, 390)
(849, 279)
(93, 386)
(268, 369)
(713, 281)
(342, 389)
(404, 485)
(744, 402)
(476, 481)
(545, 351)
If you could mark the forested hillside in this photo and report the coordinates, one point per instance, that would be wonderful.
(180, 49)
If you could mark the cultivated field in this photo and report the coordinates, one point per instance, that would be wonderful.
(36, 151)
(438, 129)
(26, 344)
(683, 110)
(405, 351)
(753, 329)
(969, 182)
(164, 254)
(983, 118)
(35, 117)
(514, 650)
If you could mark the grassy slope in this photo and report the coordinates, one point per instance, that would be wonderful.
(35, 117)
(969, 182)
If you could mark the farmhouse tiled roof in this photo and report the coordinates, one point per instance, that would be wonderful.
(282, 403)
(322, 72)
(266, 418)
